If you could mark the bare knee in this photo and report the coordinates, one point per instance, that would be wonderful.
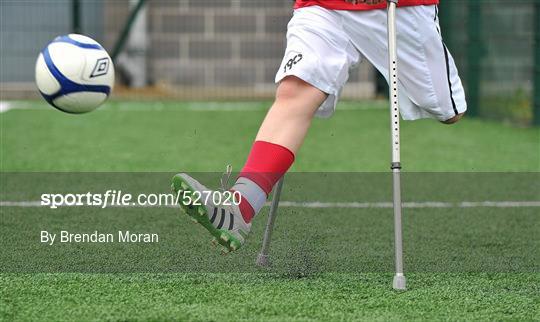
(454, 119)
(293, 88)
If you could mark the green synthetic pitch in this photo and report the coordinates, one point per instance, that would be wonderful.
(174, 136)
(331, 264)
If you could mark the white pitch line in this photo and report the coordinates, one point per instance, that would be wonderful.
(423, 204)
(353, 205)
(20, 204)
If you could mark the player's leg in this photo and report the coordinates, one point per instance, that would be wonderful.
(429, 81)
(280, 136)
(313, 71)
(290, 116)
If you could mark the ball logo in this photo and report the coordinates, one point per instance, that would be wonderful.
(101, 68)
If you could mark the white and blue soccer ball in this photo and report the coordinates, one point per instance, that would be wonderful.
(74, 74)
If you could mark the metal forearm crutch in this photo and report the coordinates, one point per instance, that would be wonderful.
(399, 282)
(262, 259)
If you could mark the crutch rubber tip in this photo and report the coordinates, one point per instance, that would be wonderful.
(263, 260)
(400, 282)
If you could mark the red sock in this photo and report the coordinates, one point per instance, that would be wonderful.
(266, 164)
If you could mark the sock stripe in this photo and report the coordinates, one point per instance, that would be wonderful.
(252, 192)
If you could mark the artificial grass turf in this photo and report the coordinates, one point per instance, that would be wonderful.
(462, 264)
(175, 136)
(172, 136)
(234, 297)
(306, 242)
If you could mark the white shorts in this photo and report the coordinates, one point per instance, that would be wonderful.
(323, 45)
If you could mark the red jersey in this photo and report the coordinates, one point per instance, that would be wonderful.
(343, 5)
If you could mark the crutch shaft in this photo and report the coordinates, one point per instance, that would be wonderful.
(399, 282)
(262, 258)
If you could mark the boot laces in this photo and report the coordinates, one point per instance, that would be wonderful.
(225, 177)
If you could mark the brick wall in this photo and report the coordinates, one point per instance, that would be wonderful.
(216, 44)
(115, 14)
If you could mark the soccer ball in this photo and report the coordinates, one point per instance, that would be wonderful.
(74, 74)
